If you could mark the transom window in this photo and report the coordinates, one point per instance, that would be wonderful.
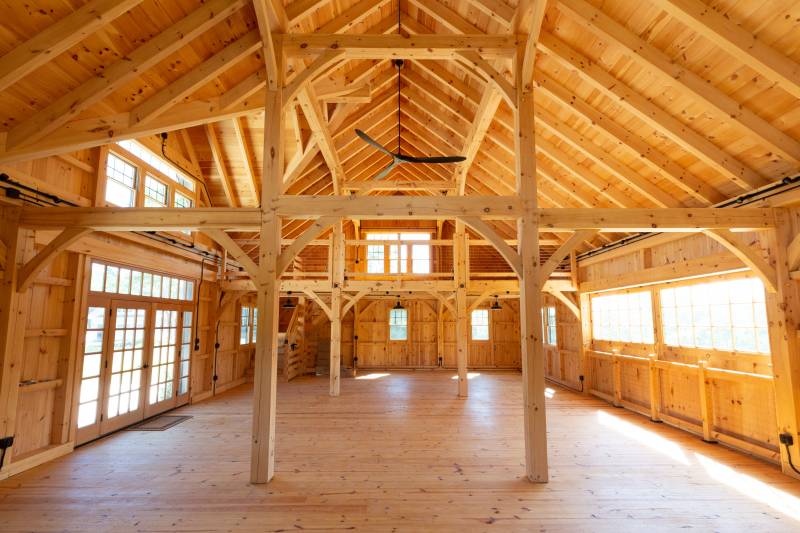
(398, 324)
(121, 280)
(549, 324)
(723, 315)
(480, 325)
(400, 258)
(626, 317)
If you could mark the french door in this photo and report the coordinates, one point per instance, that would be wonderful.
(136, 363)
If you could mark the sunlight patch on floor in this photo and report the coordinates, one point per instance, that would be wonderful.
(751, 487)
(648, 438)
(374, 375)
(470, 375)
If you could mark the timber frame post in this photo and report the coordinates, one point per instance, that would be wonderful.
(337, 282)
(462, 341)
(783, 313)
(268, 289)
(530, 295)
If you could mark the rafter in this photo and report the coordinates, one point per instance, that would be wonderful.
(57, 38)
(737, 41)
(195, 78)
(219, 161)
(117, 74)
(247, 156)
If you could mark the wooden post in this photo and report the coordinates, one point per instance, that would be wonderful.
(268, 289)
(783, 313)
(11, 314)
(586, 341)
(706, 406)
(337, 275)
(654, 383)
(533, 363)
(616, 369)
(462, 336)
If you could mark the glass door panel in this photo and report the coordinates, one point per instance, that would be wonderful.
(91, 375)
(161, 382)
(185, 356)
(124, 365)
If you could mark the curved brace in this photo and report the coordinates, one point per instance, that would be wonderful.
(479, 300)
(313, 231)
(563, 251)
(748, 256)
(444, 301)
(353, 301)
(32, 268)
(486, 231)
(567, 301)
(474, 59)
(320, 302)
(225, 240)
(316, 68)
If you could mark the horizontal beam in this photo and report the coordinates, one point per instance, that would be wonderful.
(398, 207)
(363, 46)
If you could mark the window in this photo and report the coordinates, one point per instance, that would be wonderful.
(121, 184)
(182, 200)
(480, 325)
(90, 373)
(155, 192)
(255, 324)
(157, 162)
(549, 325)
(244, 326)
(120, 280)
(626, 317)
(398, 324)
(186, 349)
(722, 315)
(402, 258)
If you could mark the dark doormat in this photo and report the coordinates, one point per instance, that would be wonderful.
(159, 423)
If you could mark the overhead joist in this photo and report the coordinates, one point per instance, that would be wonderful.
(736, 41)
(195, 78)
(134, 64)
(361, 46)
(657, 61)
(57, 38)
(398, 207)
(651, 114)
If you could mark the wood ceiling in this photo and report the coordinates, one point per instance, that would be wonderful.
(658, 103)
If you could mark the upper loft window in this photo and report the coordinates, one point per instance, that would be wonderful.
(158, 163)
(138, 178)
(400, 258)
(122, 182)
(128, 281)
(626, 317)
(722, 315)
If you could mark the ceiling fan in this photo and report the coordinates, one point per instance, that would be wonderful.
(398, 158)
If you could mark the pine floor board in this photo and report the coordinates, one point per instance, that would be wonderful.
(402, 453)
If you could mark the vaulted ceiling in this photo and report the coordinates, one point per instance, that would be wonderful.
(657, 103)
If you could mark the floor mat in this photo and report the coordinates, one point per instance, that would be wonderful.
(159, 423)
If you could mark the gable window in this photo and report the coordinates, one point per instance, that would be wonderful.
(122, 182)
(626, 317)
(724, 315)
(244, 326)
(398, 324)
(549, 325)
(400, 258)
(480, 325)
(120, 280)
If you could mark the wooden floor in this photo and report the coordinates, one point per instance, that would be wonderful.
(401, 452)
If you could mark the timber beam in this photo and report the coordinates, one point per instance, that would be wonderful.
(399, 207)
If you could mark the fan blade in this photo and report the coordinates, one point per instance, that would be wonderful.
(444, 159)
(385, 172)
(366, 138)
